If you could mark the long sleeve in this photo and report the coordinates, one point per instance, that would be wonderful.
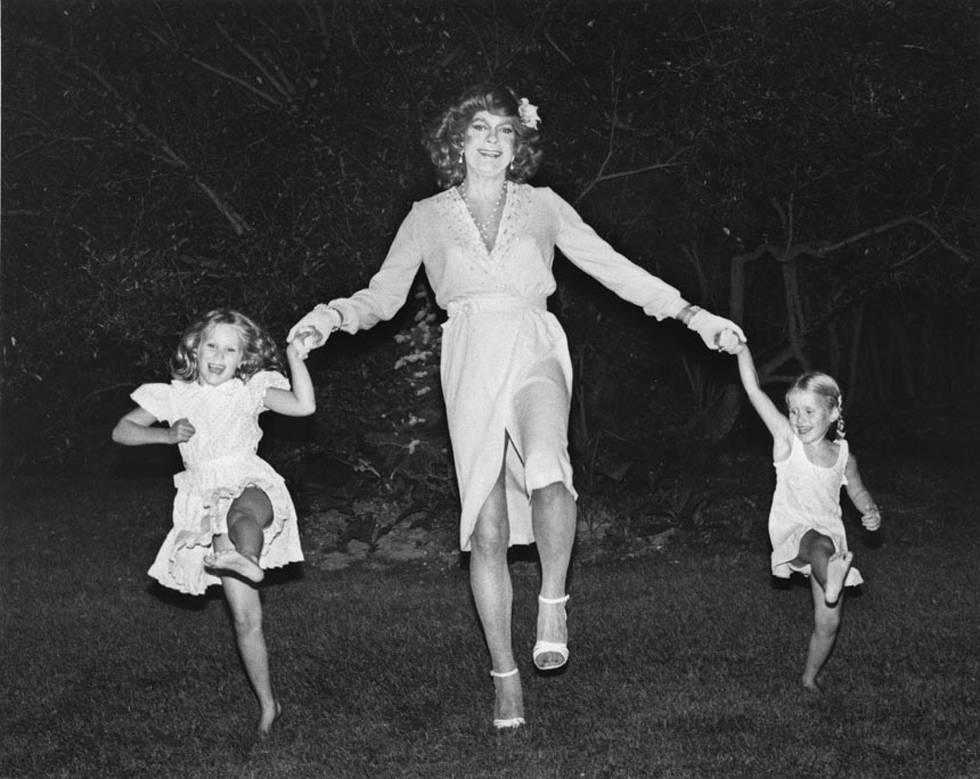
(580, 243)
(389, 287)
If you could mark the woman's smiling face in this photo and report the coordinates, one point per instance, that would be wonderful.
(488, 147)
(219, 354)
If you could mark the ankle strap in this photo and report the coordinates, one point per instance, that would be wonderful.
(505, 673)
(553, 601)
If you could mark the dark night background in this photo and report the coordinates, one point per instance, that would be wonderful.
(807, 168)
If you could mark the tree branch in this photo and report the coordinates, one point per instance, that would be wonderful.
(821, 249)
(556, 47)
(268, 97)
(281, 84)
(904, 220)
(238, 224)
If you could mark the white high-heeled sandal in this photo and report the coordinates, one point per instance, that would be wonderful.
(547, 647)
(512, 722)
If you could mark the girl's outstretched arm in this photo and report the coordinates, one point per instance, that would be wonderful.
(134, 430)
(860, 497)
(300, 401)
(775, 420)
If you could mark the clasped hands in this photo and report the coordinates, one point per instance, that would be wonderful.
(719, 334)
(313, 330)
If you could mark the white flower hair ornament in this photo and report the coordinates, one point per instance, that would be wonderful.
(528, 113)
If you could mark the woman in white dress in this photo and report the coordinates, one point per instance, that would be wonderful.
(487, 243)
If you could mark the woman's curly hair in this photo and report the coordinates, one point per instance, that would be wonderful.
(445, 140)
(259, 351)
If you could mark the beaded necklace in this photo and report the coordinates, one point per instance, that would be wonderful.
(486, 226)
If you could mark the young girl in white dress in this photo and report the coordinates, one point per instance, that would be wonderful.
(805, 525)
(232, 516)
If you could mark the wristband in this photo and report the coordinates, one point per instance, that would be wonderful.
(330, 311)
(340, 317)
(688, 313)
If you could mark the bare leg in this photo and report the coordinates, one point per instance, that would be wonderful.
(826, 621)
(248, 515)
(827, 566)
(542, 413)
(493, 595)
(553, 517)
(246, 612)
(837, 568)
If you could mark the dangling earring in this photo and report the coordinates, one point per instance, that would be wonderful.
(460, 156)
(841, 434)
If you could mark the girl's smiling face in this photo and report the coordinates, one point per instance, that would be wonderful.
(810, 415)
(488, 147)
(219, 354)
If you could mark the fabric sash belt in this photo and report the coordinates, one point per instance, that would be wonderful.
(473, 305)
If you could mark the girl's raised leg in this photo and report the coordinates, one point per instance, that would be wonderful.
(826, 621)
(249, 514)
(828, 566)
(837, 567)
(493, 595)
(246, 613)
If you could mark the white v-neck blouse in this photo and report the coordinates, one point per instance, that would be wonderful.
(505, 367)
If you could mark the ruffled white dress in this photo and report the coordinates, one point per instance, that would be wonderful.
(220, 461)
(807, 497)
(505, 366)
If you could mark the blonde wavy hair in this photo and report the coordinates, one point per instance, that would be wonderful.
(259, 351)
(826, 387)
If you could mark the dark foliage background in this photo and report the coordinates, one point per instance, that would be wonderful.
(807, 167)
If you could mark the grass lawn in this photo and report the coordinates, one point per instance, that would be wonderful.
(685, 663)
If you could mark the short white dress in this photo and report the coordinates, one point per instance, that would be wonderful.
(220, 461)
(505, 366)
(807, 497)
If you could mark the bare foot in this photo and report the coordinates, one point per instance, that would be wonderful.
(812, 687)
(508, 704)
(267, 720)
(551, 649)
(234, 561)
(837, 568)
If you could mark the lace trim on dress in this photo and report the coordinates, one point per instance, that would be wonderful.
(453, 214)
(512, 222)
(465, 233)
